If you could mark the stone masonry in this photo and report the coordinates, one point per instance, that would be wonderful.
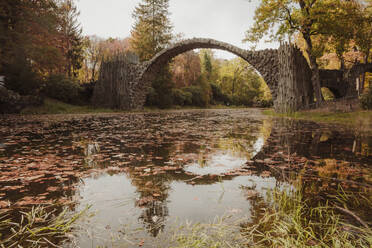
(265, 62)
(285, 71)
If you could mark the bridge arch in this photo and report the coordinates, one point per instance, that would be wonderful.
(264, 61)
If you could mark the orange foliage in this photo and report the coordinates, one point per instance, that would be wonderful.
(186, 69)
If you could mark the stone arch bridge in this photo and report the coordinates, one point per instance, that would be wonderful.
(265, 61)
(285, 71)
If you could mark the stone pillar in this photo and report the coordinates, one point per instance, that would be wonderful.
(294, 90)
(114, 88)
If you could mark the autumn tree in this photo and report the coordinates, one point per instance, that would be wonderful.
(98, 49)
(240, 81)
(363, 35)
(92, 59)
(29, 38)
(282, 18)
(152, 30)
(186, 69)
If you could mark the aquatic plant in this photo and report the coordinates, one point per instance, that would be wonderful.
(40, 227)
(286, 219)
(292, 221)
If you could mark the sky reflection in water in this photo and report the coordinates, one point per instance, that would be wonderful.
(145, 173)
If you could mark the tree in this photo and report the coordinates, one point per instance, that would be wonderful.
(210, 65)
(239, 80)
(71, 37)
(93, 57)
(98, 49)
(283, 18)
(186, 69)
(207, 65)
(152, 30)
(29, 41)
(29, 28)
(363, 37)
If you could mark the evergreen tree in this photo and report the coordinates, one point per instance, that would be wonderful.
(152, 30)
(207, 64)
(151, 33)
(71, 36)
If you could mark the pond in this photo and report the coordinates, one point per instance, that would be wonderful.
(145, 174)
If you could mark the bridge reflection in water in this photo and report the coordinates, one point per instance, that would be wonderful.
(179, 185)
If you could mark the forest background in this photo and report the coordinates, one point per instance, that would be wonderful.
(44, 54)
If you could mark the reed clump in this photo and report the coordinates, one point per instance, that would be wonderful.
(39, 227)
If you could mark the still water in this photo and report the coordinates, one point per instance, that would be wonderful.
(145, 174)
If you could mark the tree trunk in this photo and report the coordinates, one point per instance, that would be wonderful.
(342, 61)
(315, 78)
(364, 75)
(94, 71)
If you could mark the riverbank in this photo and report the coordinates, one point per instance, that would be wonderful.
(52, 106)
(359, 118)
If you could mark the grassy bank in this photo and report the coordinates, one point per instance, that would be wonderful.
(52, 106)
(356, 118)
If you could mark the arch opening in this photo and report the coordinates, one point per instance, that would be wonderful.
(264, 62)
(328, 94)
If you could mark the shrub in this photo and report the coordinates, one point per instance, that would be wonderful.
(161, 93)
(218, 96)
(181, 97)
(151, 97)
(61, 88)
(263, 103)
(241, 100)
(366, 99)
(197, 94)
(20, 78)
(86, 92)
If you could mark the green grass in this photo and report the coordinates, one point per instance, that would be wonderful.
(291, 221)
(285, 220)
(357, 118)
(52, 106)
(40, 227)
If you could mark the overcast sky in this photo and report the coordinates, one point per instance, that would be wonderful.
(223, 20)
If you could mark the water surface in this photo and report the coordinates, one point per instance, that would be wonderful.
(145, 173)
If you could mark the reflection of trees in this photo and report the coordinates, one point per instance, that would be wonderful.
(323, 158)
(312, 140)
(257, 210)
(153, 188)
(241, 141)
(154, 216)
(153, 193)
